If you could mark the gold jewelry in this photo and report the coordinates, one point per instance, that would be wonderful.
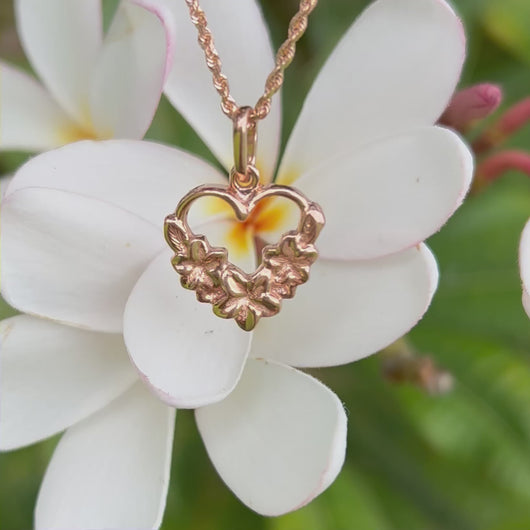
(285, 265)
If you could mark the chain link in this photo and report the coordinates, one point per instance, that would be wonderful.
(284, 57)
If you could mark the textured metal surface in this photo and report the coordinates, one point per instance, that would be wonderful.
(234, 293)
(283, 267)
(284, 57)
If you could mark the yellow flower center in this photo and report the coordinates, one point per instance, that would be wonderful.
(270, 218)
(268, 215)
(74, 132)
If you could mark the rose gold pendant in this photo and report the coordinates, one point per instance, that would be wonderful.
(205, 269)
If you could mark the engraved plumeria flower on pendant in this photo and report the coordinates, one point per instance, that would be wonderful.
(83, 256)
(234, 293)
(248, 299)
(197, 267)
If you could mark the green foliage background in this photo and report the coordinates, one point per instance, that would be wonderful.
(415, 462)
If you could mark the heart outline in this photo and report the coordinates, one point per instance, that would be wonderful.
(232, 292)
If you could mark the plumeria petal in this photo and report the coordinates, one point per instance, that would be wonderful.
(394, 70)
(53, 376)
(30, 119)
(243, 43)
(110, 472)
(187, 355)
(71, 258)
(364, 306)
(225, 232)
(145, 178)
(524, 265)
(278, 440)
(62, 40)
(391, 194)
(4, 183)
(526, 302)
(129, 77)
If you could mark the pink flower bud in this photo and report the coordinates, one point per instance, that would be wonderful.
(510, 122)
(515, 117)
(471, 104)
(498, 164)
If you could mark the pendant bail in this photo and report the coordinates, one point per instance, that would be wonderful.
(244, 175)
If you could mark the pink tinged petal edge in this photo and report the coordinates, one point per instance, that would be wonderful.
(53, 376)
(278, 440)
(129, 76)
(524, 265)
(459, 23)
(378, 82)
(111, 471)
(199, 356)
(363, 306)
(390, 194)
(165, 16)
(122, 173)
(72, 259)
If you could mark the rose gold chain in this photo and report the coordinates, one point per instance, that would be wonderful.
(284, 57)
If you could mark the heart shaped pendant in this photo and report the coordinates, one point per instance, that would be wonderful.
(284, 266)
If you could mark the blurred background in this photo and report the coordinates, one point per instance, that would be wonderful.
(439, 425)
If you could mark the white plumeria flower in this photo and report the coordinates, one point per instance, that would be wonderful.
(524, 265)
(83, 256)
(93, 86)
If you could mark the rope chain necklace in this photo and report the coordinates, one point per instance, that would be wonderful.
(285, 265)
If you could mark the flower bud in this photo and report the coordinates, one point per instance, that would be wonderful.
(471, 104)
(509, 123)
(498, 164)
